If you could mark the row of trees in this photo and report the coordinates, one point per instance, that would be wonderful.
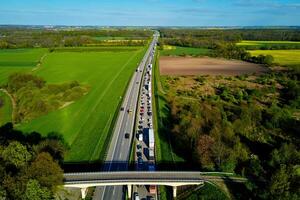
(29, 164)
(234, 35)
(232, 51)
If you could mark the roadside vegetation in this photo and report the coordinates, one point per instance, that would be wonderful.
(30, 164)
(245, 124)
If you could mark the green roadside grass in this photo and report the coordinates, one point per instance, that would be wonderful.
(184, 51)
(163, 148)
(5, 108)
(207, 192)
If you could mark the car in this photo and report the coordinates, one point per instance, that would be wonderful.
(141, 137)
(127, 135)
(137, 82)
(139, 146)
(139, 154)
(136, 196)
(122, 108)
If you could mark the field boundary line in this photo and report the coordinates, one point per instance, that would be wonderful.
(38, 66)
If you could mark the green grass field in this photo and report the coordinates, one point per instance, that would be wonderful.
(87, 123)
(181, 51)
(283, 57)
(16, 60)
(5, 109)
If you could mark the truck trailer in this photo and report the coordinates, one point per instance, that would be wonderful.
(151, 138)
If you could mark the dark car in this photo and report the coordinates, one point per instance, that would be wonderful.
(127, 135)
(122, 108)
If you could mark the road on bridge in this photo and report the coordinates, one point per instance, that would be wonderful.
(119, 148)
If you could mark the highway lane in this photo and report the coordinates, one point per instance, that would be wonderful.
(119, 148)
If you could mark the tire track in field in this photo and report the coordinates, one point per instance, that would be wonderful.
(77, 137)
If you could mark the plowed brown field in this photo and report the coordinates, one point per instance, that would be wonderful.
(207, 66)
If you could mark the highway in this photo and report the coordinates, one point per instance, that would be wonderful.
(120, 147)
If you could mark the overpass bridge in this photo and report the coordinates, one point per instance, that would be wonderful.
(129, 178)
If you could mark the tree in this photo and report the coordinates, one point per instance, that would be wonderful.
(279, 184)
(204, 151)
(34, 191)
(16, 154)
(46, 171)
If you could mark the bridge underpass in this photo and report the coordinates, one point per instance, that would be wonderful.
(130, 178)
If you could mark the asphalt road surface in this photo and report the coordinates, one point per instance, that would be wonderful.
(119, 148)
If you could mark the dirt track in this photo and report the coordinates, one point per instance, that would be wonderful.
(204, 66)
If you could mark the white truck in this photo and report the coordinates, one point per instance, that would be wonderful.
(151, 138)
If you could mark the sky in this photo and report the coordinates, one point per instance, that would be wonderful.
(151, 12)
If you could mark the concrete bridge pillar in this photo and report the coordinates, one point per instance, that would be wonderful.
(83, 192)
(129, 188)
(174, 191)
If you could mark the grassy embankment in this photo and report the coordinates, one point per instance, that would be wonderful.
(5, 108)
(87, 123)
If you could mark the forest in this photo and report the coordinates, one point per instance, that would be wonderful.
(30, 165)
(27, 37)
(211, 38)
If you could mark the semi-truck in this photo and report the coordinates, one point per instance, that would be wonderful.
(151, 138)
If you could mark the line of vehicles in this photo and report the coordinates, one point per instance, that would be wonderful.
(145, 141)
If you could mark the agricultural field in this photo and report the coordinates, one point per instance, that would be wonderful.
(87, 122)
(257, 43)
(282, 57)
(204, 66)
(17, 60)
(250, 44)
(169, 50)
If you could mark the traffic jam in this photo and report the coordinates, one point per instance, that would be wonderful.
(145, 142)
